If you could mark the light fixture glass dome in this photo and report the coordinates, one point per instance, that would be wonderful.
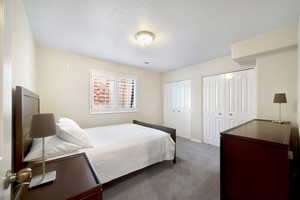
(144, 38)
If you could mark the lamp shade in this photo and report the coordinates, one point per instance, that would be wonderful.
(43, 125)
(279, 98)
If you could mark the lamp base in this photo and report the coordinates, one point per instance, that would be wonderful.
(40, 180)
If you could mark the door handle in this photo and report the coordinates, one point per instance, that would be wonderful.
(219, 114)
(22, 177)
(230, 114)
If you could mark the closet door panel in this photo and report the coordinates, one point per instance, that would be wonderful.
(213, 108)
(228, 100)
(207, 123)
(220, 93)
(252, 101)
(177, 107)
(211, 105)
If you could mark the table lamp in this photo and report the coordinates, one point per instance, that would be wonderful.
(279, 98)
(43, 125)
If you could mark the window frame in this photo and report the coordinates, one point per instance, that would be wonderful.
(117, 76)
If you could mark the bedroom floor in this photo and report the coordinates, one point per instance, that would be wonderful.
(196, 174)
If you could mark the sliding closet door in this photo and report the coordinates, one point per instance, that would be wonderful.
(177, 107)
(228, 100)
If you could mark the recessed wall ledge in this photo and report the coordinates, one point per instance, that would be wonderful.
(246, 51)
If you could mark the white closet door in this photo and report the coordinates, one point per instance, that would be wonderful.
(177, 107)
(209, 109)
(231, 98)
(228, 100)
(214, 108)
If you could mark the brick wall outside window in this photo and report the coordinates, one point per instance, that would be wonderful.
(112, 92)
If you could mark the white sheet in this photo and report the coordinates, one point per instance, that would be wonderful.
(125, 148)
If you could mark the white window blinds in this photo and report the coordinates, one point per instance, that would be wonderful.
(111, 92)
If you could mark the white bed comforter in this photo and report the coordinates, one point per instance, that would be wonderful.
(125, 148)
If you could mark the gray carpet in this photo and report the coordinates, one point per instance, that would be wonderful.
(195, 176)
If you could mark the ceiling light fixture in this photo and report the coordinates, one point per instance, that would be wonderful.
(144, 38)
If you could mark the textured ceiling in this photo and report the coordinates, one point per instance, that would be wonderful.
(187, 31)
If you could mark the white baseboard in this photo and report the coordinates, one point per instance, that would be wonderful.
(195, 140)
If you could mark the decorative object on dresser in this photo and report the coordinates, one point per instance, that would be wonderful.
(279, 98)
(76, 180)
(255, 161)
(43, 125)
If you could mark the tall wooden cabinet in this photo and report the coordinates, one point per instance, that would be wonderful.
(255, 161)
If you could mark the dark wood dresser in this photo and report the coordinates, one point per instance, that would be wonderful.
(255, 161)
(75, 180)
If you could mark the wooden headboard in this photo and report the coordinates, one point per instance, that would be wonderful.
(26, 104)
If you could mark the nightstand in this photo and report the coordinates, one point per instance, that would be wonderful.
(75, 180)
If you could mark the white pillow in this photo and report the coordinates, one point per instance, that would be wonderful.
(69, 131)
(67, 121)
(54, 146)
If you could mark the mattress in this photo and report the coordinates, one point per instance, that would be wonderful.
(122, 149)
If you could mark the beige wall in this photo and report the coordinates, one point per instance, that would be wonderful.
(195, 74)
(23, 49)
(275, 55)
(276, 73)
(247, 50)
(63, 86)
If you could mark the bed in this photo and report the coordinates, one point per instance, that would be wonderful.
(119, 150)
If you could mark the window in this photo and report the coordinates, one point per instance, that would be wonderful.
(110, 92)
